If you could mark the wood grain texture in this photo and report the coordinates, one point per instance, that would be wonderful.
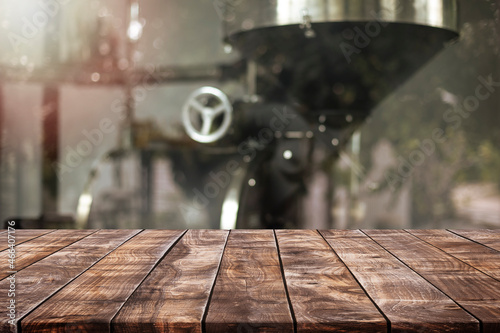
(470, 288)
(38, 248)
(90, 302)
(22, 235)
(490, 238)
(44, 278)
(175, 295)
(249, 293)
(408, 301)
(85, 281)
(479, 256)
(324, 295)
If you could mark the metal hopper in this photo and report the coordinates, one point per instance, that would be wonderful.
(338, 57)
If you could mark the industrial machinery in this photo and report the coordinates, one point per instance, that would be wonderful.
(308, 73)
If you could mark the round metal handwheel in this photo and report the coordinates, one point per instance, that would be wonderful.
(207, 104)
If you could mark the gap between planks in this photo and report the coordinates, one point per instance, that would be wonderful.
(474, 291)
(282, 267)
(37, 288)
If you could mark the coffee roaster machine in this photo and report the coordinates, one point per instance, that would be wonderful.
(313, 71)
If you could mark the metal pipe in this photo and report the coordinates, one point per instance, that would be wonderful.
(50, 125)
(50, 149)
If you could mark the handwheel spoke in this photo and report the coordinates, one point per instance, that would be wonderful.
(197, 105)
(207, 124)
(219, 109)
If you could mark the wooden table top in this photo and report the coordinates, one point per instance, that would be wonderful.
(253, 281)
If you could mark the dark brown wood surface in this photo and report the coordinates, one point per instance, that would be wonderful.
(490, 238)
(175, 295)
(47, 276)
(21, 236)
(254, 281)
(38, 248)
(409, 302)
(478, 256)
(94, 298)
(473, 290)
(323, 293)
(249, 293)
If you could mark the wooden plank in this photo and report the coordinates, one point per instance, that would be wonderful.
(38, 248)
(407, 300)
(490, 238)
(21, 236)
(175, 295)
(470, 288)
(90, 302)
(44, 278)
(249, 293)
(324, 295)
(479, 256)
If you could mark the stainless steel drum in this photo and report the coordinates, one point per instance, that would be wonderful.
(245, 15)
(338, 55)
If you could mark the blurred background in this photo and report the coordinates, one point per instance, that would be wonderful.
(308, 124)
